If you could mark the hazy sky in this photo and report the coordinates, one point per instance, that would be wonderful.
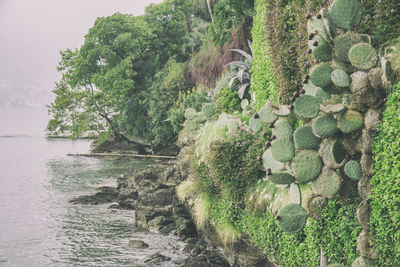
(32, 32)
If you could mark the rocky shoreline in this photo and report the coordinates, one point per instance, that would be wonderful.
(151, 193)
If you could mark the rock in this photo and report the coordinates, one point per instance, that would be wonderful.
(364, 142)
(161, 224)
(363, 245)
(364, 186)
(363, 213)
(349, 144)
(362, 262)
(156, 258)
(137, 244)
(366, 163)
(361, 88)
(372, 119)
(375, 77)
(105, 195)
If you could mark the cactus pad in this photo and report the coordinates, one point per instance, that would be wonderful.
(321, 75)
(306, 106)
(350, 121)
(281, 178)
(353, 170)
(336, 265)
(327, 184)
(201, 117)
(363, 56)
(265, 114)
(340, 78)
(270, 163)
(345, 14)
(291, 218)
(304, 138)
(317, 25)
(191, 124)
(255, 125)
(190, 113)
(324, 126)
(282, 129)
(322, 52)
(282, 149)
(316, 92)
(233, 126)
(307, 165)
(343, 43)
(208, 109)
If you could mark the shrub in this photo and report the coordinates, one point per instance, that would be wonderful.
(190, 99)
(385, 201)
(227, 101)
(379, 18)
(234, 163)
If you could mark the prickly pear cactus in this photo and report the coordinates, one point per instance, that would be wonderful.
(291, 218)
(327, 151)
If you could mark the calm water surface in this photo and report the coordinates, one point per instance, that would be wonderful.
(38, 227)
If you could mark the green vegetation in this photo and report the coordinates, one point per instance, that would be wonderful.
(123, 82)
(263, 82)
(385, 202)
(254, 163)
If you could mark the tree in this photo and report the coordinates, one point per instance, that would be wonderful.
(99, 77)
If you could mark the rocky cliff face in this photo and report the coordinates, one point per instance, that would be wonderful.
(151, 193)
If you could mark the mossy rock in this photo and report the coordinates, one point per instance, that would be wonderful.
(191, 124)
(363, 56)
(282, 129)
(350, 121)
(201, 117)
(322, 52)
(353, 170)
(345, 14)
(281, 178)
(265, 114)
(314, 205)
(340, 78)
(190, 113)
(321, 75)
(292, 218)
(327, 184)
(316, 92)
(208, 109)
(324, 126)
(306, 165)
(343, 43)
(269, 162)
(255, 125)
(233, 126)
(304, 138)
(282, 149)
(306, 106)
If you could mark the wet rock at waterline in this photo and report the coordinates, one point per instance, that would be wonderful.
(104, 195)
(137, 244)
